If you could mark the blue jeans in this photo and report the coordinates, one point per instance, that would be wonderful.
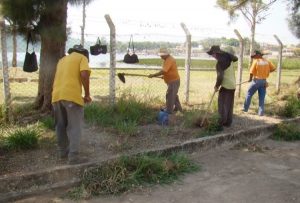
(260, 86)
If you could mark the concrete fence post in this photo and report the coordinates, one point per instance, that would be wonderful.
(240, 62)
(112, 66)
(6, 88)
(279, 64)
(188, 48)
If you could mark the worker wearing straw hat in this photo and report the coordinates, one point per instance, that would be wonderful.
(171, 78)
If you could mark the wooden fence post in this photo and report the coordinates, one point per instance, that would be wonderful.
(240, 62)
(279, 64)
(188, 48)
(112, 66)
(6, 88)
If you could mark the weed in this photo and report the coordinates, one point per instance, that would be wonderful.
(48, 122)
(291, 108)
(211, 126)
(129, 172)
(21, 139)
(124, 116)
(286, 132)
(128, 128)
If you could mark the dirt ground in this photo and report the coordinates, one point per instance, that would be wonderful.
(261, 171)
(100, 144)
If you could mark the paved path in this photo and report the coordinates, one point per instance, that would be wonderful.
(227, 175)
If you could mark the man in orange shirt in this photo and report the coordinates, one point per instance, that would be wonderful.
(259, 72)
(171, 78)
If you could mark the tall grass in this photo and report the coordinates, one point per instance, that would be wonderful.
(124, 116)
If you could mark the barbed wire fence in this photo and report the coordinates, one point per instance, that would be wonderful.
(196, 84)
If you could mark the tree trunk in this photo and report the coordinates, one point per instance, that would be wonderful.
(83, 22)
(14, 57)
(52, 49)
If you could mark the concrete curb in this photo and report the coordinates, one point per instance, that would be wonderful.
(14, 187)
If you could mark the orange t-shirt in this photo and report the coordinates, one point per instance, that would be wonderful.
(261, 68)
(169, 69)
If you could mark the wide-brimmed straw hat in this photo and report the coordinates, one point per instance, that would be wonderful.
(256, 53)
(163, 52)
(214, 49)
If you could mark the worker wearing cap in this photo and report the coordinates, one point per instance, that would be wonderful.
(72, 73)
(171, 78)
(225, 84)
(259, 72)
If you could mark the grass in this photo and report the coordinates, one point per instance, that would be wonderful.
(291, 108)
(124, 116)
(20, 139)
(48, 122)
(286, 132)
(130, 172)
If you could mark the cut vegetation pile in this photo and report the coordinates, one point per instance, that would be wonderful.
(130, 172)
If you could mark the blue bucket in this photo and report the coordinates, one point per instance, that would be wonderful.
(163, 118)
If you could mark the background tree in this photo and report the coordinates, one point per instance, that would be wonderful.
(254, 11)
(294, 18)
(47, 21)
(84, 4)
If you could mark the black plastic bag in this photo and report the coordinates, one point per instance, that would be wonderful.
(130, 58)
(30, 62)
(98, 48)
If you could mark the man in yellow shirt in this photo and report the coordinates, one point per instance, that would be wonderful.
(72, 73)
(171, 78)
(259, 72)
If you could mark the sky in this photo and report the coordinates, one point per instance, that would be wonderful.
(158, 20)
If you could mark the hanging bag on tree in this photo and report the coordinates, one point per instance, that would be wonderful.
(30, 62)
(98, 48)
(130, 57)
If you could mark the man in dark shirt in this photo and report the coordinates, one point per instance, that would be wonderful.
(225, 84)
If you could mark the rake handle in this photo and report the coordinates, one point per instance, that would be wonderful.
(208, 107)
(133, 74)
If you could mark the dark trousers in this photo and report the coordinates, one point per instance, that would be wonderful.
(172, 99)
(225, 106)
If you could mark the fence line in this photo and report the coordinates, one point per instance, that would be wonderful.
(103, 82)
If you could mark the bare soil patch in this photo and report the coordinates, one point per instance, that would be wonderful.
(99, 143)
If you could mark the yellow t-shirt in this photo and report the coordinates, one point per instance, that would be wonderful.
(67, 82)
(261, 68)
(169, 69)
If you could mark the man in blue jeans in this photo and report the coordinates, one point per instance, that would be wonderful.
(259, 72)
